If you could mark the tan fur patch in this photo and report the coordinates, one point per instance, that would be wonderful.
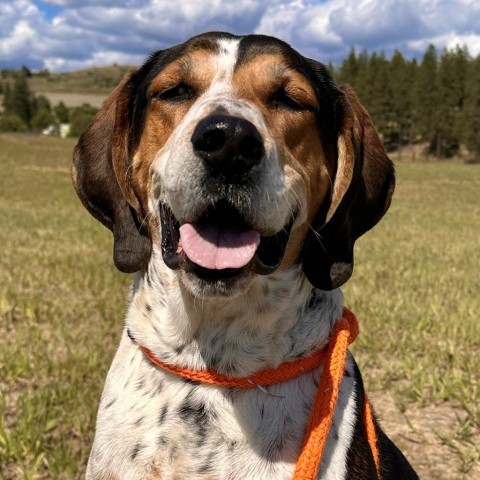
(195, 70)
(295, 132)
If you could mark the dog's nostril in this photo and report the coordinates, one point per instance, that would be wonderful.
(228, 145)
(210, 140)
(251, 148)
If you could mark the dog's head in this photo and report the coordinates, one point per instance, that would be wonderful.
(236, 157)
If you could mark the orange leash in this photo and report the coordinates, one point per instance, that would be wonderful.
(333, 359)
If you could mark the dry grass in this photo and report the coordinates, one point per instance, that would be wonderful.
(75, 99)
(100, 80)
(415, 292)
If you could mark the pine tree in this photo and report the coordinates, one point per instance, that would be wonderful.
(402, 80)
(353, 71)
(378, 95)
(471, 113)
(22, 99)
(451, 89)
(7, 100)
(426, 97)
(349, 69)
(42, 113)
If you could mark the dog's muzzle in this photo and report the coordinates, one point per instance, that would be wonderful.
(221, 242)
(229, 146)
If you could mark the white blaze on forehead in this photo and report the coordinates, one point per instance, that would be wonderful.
(225, 61)
(179, 176)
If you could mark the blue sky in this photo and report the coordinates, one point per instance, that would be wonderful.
(71, 34)
(48, 10)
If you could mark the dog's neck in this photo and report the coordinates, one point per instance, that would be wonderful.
(279, 317)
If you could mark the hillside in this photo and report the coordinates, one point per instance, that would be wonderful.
(74, 88)
(99, 80)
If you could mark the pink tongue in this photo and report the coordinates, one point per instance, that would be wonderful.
(217, 248)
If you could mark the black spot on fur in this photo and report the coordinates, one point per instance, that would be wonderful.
(148, 308)
(206, 467)
(140, 385)
(314, 301)
(163, 414)
(197, 416)
(136, 450)
(174, 452)
(179, 350)
(139, 421)
(159, 388)
(162, 440)
(190, 382)
(110, 403)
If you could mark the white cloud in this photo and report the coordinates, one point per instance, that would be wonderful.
(95, 32)
(331, 28)
(83, 3)
(449, 40)
(20, 22)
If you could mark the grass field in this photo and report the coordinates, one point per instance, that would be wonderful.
(415, 291)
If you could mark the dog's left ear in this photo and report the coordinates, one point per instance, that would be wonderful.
(99, 174)
(362, 191)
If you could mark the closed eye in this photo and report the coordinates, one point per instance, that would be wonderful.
(179, 93)
(281, 99)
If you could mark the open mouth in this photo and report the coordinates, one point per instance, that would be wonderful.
(220, 244)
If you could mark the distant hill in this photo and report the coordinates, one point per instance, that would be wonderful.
(74, 88)
(98, 80)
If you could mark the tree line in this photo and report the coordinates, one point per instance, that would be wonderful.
(434, 102)
(23, 111)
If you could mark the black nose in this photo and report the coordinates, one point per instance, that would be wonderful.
(228, 145)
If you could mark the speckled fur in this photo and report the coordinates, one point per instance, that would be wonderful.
(153, 425)
(156, 422)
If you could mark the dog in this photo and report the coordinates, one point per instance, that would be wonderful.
(235, 176)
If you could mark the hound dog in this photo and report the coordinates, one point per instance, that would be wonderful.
(235, 176)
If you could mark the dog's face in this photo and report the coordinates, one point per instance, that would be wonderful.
(236, 157)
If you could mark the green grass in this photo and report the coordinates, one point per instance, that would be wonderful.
(415, 291)
(416, 288)
(61, 304)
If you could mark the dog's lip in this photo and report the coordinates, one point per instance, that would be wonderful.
(266, 259)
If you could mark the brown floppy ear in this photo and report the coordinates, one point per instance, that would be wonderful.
(362, 192)
(97, 186)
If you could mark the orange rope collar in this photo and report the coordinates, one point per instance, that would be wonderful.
(333, 359)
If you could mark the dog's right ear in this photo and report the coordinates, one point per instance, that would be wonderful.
(96, 183)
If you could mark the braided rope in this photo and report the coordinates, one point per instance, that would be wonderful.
(371, 432)
(326, 399)
(333, 359)
(270, 376)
